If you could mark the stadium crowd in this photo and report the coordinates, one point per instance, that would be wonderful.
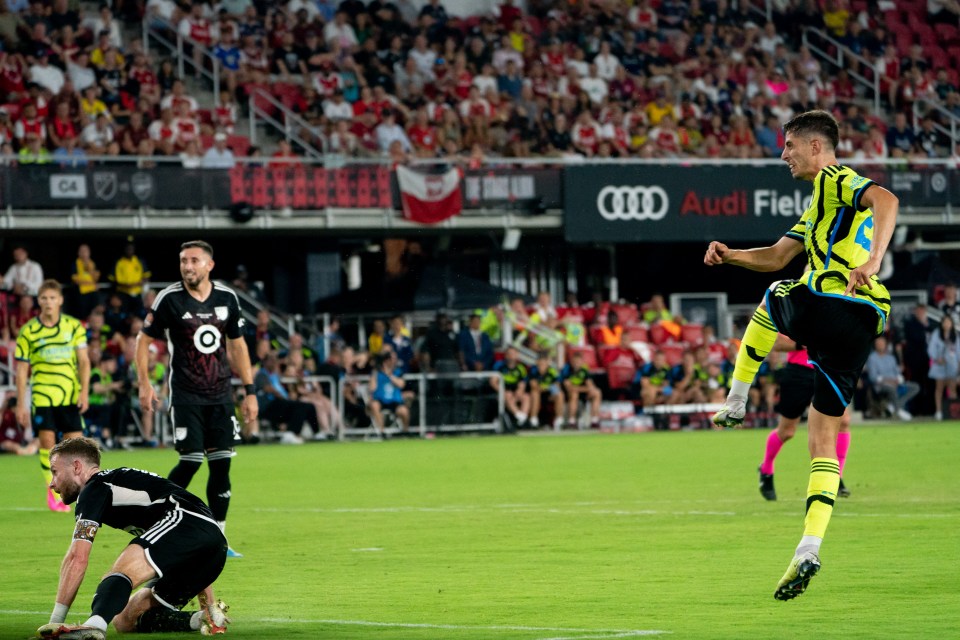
(649, 78)
(552, 360)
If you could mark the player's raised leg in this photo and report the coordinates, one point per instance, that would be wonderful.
(757, 342)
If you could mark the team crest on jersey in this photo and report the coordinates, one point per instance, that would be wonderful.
(222, 313)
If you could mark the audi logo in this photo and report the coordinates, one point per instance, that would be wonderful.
(632, 203)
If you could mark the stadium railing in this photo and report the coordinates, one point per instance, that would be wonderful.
(445, 403)
(838, 54)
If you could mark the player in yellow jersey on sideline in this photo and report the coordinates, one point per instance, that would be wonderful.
(835, 310)
(52, 357)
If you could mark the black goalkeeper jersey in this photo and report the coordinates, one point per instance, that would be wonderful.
(134, 500)
(196, 333)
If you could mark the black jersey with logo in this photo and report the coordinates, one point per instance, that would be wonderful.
(134, 500)
(196, 333)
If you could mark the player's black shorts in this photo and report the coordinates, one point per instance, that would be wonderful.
(187, 551)
(201, 427)
(57, 419)
(837, 332)
(796, 390)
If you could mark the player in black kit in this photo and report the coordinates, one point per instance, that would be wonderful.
(201, 322)
(178, 549)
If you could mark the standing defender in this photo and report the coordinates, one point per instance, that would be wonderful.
(202, 325)
(835, 310)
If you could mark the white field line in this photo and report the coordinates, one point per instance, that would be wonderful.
(591, 634)
(569, 511)
(549, 510)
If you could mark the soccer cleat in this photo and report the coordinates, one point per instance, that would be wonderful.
(801, 570)
(231, 553)
(214, 620)
(56, 631)
(731, 414)
(766, 485)
(54, 503)
(843, 492)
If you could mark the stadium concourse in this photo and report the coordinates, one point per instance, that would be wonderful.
(609, 79)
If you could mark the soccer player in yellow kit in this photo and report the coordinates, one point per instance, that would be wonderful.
(52, 356)
(835, 310)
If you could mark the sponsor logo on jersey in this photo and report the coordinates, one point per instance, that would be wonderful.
(186, 315)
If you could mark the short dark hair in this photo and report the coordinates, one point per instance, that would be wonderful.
(198, 244)
(85, 449)
(815, 123)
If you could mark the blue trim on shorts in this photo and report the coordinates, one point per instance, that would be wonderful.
(766, 303)
(843, 400)
(883, 316)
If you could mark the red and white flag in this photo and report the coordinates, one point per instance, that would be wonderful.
(429, 198)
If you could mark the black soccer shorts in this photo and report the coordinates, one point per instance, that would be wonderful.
(188, 552)
(203, 427)
(796, 390)
(837, 331)
(60, 420)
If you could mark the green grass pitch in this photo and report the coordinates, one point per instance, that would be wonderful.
(538, 538)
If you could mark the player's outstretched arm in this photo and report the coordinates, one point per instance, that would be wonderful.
(148, 397)
(772, 258)
(72, 571)
(885, 207)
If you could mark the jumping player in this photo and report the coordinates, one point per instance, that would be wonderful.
(835, 310)
(202, 325)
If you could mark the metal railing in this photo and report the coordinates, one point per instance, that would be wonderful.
(814, 38)
(923, 107)
(177, 48)
(458, 400)
(292, 125)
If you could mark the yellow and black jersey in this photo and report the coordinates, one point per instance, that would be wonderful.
(837, 233)
(52, 355)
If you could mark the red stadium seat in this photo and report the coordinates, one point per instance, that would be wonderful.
(674, 353)
(626, 313)
(692, 333)
(637, 333)
(659, 335)
(589, 356)
(240, 145)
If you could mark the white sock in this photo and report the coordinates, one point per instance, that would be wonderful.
(809, 543)
(195, 620)
(521, 416)
(97, 622)
(739, 388)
